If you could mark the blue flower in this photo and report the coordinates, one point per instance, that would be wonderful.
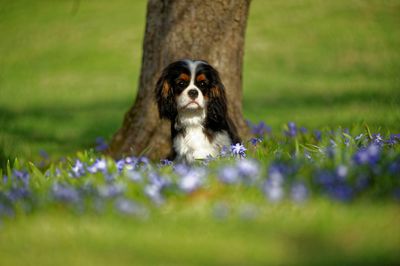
(342, 172)
(318, 135)
(377, 139)
(134, 176)
(238, 150)
(273, 186)
(255, 141)
(273, 190)
(154, 189)
(228, 175)
(166, 162)
(224, 151)
(22, 176)
(78, 169)
(112, 190)
(292, 130)
(369, 155)
(100, 165)
(192, 179)
(299, 192)
(303, 130)
(18, 192)
(260, 129)
(341, 192)
(65, 193)
(129, 207)
(249, 170)
(101, 144)
(393, 139)
(120, 164)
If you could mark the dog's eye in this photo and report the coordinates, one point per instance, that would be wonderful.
(202, 84)
(181, 83)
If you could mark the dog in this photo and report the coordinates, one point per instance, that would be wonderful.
(191, 95)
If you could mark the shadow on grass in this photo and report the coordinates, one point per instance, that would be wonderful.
(67, 128)
(322, 100)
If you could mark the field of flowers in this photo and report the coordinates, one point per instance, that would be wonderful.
(296, 165)
(248, 182)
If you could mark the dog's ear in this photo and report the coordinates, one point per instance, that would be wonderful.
(165, 98)
(217, 106)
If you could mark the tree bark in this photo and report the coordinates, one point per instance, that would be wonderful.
(211, 30)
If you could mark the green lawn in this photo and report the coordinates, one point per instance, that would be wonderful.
(69, 71)
(320, 233)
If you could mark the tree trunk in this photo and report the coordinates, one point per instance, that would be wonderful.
(211, 30)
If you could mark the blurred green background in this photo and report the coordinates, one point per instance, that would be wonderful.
(69, 69)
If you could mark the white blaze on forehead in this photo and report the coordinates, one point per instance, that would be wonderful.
(192, 67)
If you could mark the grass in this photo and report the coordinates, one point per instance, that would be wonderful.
(321, 233)
(69, 70)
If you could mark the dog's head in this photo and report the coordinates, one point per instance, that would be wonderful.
(189, 86)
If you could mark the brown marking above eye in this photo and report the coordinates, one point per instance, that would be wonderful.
(165, 89)
(201, 77)
(184, 77)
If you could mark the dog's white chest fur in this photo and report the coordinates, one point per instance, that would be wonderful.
(194, 144)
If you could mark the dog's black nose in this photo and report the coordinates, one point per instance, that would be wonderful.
(193, 94)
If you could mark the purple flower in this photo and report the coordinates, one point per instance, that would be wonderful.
(318, 135)
(273, 190)
(101, 144)
(260, 129)
(224, 151)
(44, 154)
(362, 182)
(292, 130)
(393, 139)
(22, 176)
(325, 178)
(120, 165)
(238, 150)
(342, 172)
(273, 186)
(192, 180)
(299, 192)
(129, 207)
(166, 162)
(303, 130)
(100, 165)
(228, 174)
(110, 191)
(18, 192)
(248, 169)
(65, 193)
(341, 192)
(377, 139)
(133, 175)
(156, 184)
(78, 169)
(255, 141)
(369, 155)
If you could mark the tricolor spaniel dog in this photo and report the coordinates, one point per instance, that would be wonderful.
(191, 95)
